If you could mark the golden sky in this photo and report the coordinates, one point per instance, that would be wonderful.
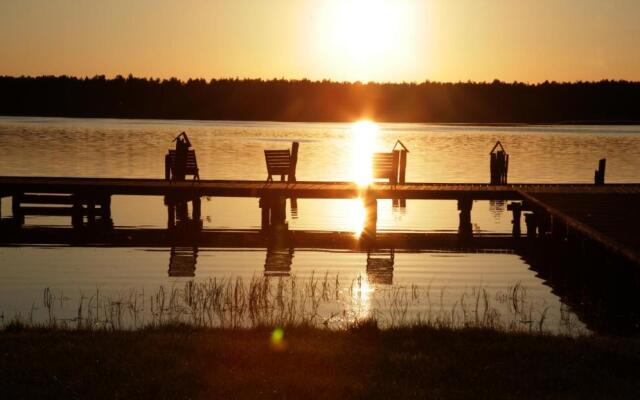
(381, 40)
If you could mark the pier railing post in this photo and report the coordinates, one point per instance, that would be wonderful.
(465, 230)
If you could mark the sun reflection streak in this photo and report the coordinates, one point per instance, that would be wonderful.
(364, 134)
(361, 292)
(357, 215)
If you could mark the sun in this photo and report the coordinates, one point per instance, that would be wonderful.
(362, 38)
(364, 28)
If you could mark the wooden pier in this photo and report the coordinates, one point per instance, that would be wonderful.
(607, 214)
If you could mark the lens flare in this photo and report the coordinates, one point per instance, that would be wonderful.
(364, 135)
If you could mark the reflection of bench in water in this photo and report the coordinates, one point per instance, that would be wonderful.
(380, 266)
(278, 262)
(182, 262)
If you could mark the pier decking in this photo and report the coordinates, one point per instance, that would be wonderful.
(607, 214)
(306, 189)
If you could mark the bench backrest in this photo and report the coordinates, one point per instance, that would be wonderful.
(278, 162)
(191, 159)
(188, 166)
(385, 166)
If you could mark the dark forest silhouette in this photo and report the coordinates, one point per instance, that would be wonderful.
(305, 100)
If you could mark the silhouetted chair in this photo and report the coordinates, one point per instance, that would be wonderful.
(385, 166)
(499, 164)
(182, 161)
(282, 162)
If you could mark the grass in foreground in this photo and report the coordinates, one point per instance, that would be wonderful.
(184, 362)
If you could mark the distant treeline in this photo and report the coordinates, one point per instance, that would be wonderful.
(304, 100)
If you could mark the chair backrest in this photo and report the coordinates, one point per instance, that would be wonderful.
(278, 162)
(176, 168)
(385, 166)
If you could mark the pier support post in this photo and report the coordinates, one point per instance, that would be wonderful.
(18, 216)
(91, 213)
(196, 213)
(265, 209)
(516, 209)
(544, 224)
(77, 217)
(171, 215)
(531, 221)
(465, 230)
(370, 228)
(558, 230)
(278, 211)
(197, 208)
(274, 212)
(105, 212)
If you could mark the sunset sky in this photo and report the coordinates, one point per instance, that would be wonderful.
(381, 40)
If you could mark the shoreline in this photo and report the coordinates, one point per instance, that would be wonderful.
(363, 361)
(278, 121)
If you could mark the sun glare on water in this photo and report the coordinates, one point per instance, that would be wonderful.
(363, 138)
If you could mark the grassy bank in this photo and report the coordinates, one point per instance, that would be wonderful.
(183, 362)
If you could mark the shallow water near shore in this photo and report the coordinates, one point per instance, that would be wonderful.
(233, 150)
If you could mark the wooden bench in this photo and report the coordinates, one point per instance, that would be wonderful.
(385, 166)
(182, 161)
(282, 162)
(190, 165)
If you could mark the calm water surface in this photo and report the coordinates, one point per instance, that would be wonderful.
(233, 150)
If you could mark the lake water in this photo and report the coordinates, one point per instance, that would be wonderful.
(234, 150)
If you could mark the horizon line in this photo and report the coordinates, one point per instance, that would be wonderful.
(323, 80)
